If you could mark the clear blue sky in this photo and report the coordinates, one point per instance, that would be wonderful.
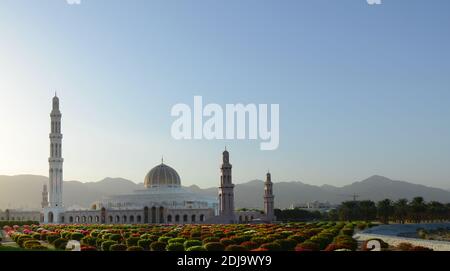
(363, 90)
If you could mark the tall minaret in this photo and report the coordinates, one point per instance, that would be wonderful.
(44, 202)
(269, 198)
(226, 191)
(55, 207)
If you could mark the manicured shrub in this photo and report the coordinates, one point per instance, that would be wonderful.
(115, 237)
(158, 246)
(307, 246)
(239, 239)
(287, 244)
(298, 238)
(118, 247)
(132, 241)
(259, 240)
(39, 247)
(164, 239)
(271, 247)
(348, 231)
(76, 236)
(35, 236)
(144, 244)
(175, 247)
(346, 242)
(250, 245)
(88, 248)
(89, 241)
(60, 243)
(235, 248)
(99, 242)
(226, 242)
(107, 244)
(177, 240)
(211, 240)
(196, 248)
(135, 248)
(214, 246)
(192, 243)
(332, 247)
(29, 244)
(21, 240)
(322, 241)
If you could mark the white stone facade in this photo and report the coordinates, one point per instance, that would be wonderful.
(164, 201)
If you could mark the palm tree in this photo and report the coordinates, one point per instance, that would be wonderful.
(401, 210)
(418, 209)
(349, 211)
(368, 210)
(385, 210)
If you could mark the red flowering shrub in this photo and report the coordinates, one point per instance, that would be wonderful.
(307, 246)
(250, 245)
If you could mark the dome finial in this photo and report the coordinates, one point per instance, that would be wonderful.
(162, 159)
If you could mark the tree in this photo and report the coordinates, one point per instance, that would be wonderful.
(368, 210)
(418, 209)
(401, 210)
(385, 210)
(349, 211)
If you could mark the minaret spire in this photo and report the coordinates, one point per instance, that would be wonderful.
(269, 198)
(226, 190)
(52, 214)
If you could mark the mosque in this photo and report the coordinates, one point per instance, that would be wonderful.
(162, 201)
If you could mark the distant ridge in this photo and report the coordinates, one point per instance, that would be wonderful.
(24, 191)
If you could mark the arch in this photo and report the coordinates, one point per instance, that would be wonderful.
(193, 218)
(161, 214)
(62, 219)
(124, 219)
(185, 218)
(240, 219)
(169, 219)
(83, 219)
(117, 219)
(50, 217)
(138, 219)
(110, 218)
(251, 218)
(131, 218)
(177, 218)
(97, 219)
(202, 218)
(90, 219)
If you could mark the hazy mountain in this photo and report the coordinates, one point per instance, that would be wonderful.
(24, 191)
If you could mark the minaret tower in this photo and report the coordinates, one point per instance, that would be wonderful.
(226, 191)
(52, 214)
(269, 198)
(44, 202)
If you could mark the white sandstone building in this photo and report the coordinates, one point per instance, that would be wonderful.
(162, 201)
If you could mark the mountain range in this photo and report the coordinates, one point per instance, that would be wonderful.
(24, 191)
